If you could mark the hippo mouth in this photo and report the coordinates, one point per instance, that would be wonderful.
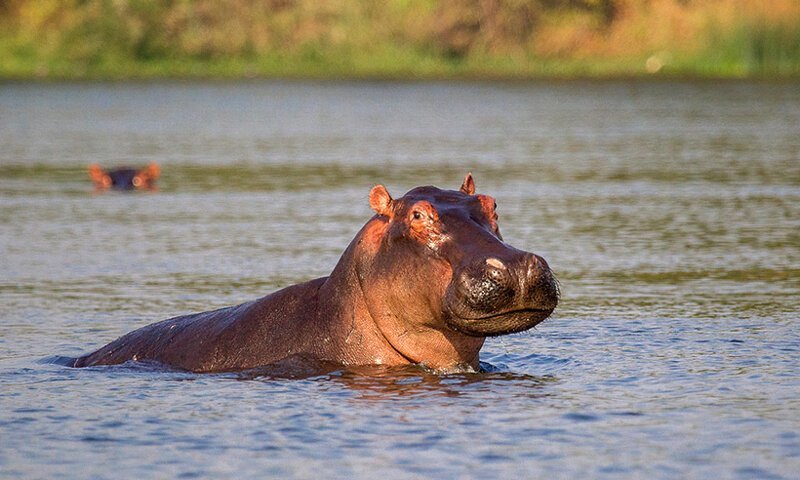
(503, 323)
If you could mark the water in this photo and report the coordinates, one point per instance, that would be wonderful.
(670, 212)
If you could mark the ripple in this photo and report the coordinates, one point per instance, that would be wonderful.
(673, 353)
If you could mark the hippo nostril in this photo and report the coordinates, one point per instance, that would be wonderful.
(539, 286)
(534, 266)
(535, 261)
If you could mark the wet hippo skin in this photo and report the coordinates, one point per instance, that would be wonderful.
(425, 281)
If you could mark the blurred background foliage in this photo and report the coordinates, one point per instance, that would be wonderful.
(398, 38)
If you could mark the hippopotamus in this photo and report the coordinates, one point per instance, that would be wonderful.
(425, 281)
(125, 178)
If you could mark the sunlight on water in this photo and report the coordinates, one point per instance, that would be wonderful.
(670, 213)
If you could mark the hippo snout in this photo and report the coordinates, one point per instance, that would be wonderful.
(487, 287)
(494, 296)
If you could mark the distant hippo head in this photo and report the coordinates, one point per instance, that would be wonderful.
(124, 178)
(444, 265)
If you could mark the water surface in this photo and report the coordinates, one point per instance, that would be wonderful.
(669, 211)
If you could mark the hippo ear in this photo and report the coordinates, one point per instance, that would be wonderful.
(151, 171)
(468, 186)
(381, 201)
(99, 176)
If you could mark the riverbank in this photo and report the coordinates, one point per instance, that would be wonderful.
(411, 39)
(298, 69)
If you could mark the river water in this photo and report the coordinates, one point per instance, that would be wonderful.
(669, 211)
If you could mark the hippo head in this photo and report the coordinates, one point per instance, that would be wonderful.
(124, 178)
(443, 265)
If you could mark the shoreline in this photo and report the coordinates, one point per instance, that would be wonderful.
(332, 79)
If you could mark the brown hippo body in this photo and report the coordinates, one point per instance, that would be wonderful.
(423, 282)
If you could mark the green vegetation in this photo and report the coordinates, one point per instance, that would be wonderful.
(117, 39)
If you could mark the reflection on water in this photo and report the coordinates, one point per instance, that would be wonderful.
(377, 382)
(670, 213)
(382, 384)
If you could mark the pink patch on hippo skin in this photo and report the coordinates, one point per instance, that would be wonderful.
(424, 225)
(373, 234)
(493, 262)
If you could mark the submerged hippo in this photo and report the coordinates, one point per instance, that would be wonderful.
(425, 281)
(125, 178)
